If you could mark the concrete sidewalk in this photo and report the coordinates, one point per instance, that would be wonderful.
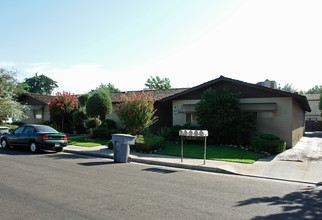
(270, 167)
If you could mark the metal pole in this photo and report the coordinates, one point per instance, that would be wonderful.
(181, 149)
(205, 150)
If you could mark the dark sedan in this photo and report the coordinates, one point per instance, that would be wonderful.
(35, 137)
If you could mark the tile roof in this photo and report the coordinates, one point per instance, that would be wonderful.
(312, 97)
(41, 98)
(116, 97)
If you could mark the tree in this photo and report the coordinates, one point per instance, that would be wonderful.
(9, 108)
(315, 90)
(99, 104)
(41, 84)
(107, 88)
(61, 106)
(158, 83)
(288, 88)
(136, 112)
(219, 113)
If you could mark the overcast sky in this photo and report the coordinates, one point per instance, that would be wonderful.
(83, 43)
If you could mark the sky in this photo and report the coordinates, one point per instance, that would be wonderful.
(84, 43)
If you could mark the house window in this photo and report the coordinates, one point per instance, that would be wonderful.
(38, 114)
(190, 118)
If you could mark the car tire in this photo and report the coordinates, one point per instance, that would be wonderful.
(4, 144)
(59, 149)
(33, 147)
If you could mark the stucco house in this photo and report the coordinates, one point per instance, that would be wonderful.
(278, 112)
(37, 107)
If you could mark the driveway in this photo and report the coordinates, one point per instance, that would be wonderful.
(308, 149)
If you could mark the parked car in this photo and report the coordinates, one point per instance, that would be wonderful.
(35, 137)
(4, 130)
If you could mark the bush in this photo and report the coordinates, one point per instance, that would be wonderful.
(93, 122)
(108, 123)
(99, 104)
(104, 133)
(268, 143)
(171, 134)
(219, 113)
(147, 143)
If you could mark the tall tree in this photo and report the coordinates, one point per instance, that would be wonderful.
(315, 90)
(158, 83)
(8, 106)
(41, 84)
(106, 88)
(287, 88)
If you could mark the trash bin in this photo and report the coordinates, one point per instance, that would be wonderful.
(121, 146)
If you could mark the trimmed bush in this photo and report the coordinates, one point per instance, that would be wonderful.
(147, 143)
(104, 133)
(268, 143)
(108, 123)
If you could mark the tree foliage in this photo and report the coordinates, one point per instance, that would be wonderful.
(315, 90)
(106, 88)
(8, 106)
(41, 84)
(219, 113)
(61, 106)
(136, 112)
(99, 104)
(158, 83)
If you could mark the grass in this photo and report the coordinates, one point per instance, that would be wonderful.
(223, 153)
(86, 142)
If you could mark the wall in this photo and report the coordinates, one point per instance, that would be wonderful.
(180, 118)
(286, 122)
(42, 112)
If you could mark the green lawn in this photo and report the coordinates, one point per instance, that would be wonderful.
(86, 142)
(223, 153)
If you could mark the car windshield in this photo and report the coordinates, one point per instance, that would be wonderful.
(46, 129)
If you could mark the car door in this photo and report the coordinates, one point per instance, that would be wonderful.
(27, 134)
(15, 137)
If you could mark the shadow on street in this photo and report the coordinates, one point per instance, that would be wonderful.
(304, 204)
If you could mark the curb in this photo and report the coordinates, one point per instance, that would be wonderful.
(191, 167)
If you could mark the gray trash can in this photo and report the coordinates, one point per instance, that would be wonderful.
(121, 146)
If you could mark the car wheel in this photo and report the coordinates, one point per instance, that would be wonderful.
(59, 149)
(4, 143)
(33, 147)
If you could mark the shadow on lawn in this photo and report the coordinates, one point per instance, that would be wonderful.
(304, 204)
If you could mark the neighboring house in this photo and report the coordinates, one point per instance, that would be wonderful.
(313, 119)
(278, 112)
(37, 107)
(116, 97)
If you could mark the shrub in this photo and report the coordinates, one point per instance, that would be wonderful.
(109, 124)
(147, 143)
(104, 133)
(268, 143)
(220, 114)
(136, 112)
(171, 134)
(99, 104)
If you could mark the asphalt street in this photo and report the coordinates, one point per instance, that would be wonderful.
(51, 185)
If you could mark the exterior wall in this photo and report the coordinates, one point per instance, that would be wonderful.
(113, 116)
(180, 118)
(36, 114)
(286, 122)
(278, 122)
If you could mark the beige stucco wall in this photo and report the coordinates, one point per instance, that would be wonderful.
(113, 116)
(45, 116)
(286, 122)
(298, 122)
(180, 118)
